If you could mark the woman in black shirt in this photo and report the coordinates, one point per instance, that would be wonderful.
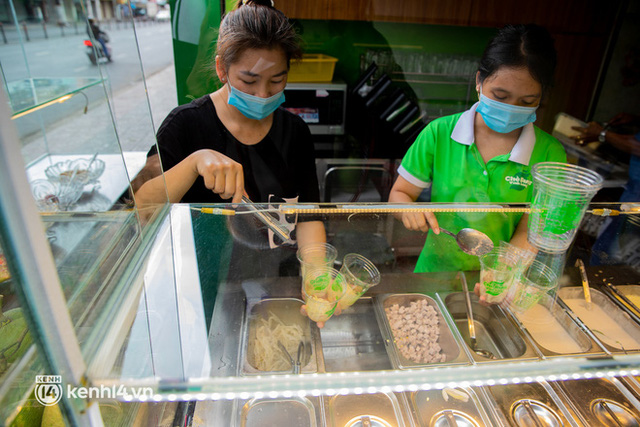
(238, 139)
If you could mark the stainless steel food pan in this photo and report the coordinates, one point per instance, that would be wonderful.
(352, 341)
(445, 407)
(447, 342)
(529, 404)
(295, 411)
(495, 332)
(548, 343)
(622, 321)
(600, 401)
(287, 310)
(376, 409)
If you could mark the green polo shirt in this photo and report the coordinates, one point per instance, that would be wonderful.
(445, 155)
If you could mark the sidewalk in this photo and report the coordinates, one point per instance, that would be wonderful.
(87, 133)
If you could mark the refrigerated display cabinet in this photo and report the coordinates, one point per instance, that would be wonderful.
(181, 300)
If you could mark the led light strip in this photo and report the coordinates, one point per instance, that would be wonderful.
(351, 210)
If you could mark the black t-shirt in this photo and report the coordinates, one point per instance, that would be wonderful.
(282, 164)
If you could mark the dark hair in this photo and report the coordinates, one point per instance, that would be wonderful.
(256, 24)
(521, 46)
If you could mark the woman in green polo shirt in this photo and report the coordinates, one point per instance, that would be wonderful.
(484, 154)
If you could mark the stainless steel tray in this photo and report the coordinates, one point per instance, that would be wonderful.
(440, 408)
(597, 401)
(541, 334)
(352, 341)
(294, 411)
(288, 310)
(624, 323)
(355, 410)
(632, 293)
(450, 346)
(518, 404)
(495, 331)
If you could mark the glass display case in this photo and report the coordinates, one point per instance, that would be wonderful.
(67, 137)
(117, 314)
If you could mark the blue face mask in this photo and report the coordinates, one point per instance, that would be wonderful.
(254, 107)
(502, 117)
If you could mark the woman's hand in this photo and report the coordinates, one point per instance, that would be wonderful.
(303, 311)
(221, 174)
(420, 221)
(405, 192)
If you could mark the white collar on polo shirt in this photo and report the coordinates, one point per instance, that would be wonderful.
(521, 152)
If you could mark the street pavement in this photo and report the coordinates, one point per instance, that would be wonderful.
(136, 121)
(127, 122)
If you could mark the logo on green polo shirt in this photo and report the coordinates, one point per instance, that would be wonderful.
(519, 181)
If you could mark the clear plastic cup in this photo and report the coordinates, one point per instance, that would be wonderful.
(523, 257)
(322, 289)
(561, 194)
(497, 269)
(360, 275)
(316, 255)
(531, 286)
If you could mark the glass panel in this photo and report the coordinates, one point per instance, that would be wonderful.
(84, 125)
(246, 299)
(20, 359)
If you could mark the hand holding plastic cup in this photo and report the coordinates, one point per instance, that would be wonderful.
(360, 274)
(316, 255)
(531, 285)
(322, 289)
(497, 269)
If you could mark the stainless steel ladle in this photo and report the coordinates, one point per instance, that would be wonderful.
(471, 241)
(471, 323)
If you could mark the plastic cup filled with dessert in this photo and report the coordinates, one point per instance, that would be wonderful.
(316, 255)
(322, 290)
(360, 274)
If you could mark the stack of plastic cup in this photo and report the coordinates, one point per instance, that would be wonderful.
(322, 289)
(537, 282)
(360, 275)
(316, 255)
(561, 194)
(497, 269)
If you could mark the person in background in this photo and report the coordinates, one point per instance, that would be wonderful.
(93, 29)
(486, 153)
(237, 140)
(623, 133)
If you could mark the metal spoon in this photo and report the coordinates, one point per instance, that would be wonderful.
(471, 241)
(471, 323)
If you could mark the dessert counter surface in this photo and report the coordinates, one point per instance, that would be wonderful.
(417, 322)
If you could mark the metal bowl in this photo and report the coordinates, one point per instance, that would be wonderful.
(84, 171)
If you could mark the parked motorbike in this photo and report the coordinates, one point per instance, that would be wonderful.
(95, 52)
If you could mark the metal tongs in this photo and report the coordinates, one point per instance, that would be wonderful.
(295, 364)
(268, 220)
